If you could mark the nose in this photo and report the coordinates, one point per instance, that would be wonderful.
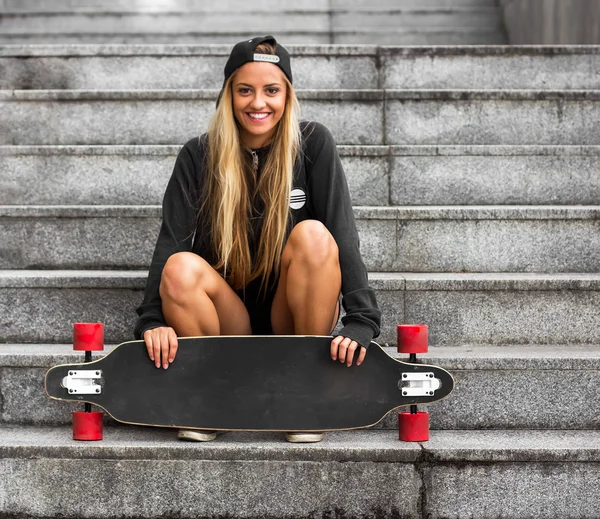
(257, 101)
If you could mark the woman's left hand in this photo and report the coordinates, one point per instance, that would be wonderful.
(343, 348)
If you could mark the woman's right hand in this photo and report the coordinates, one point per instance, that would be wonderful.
(161, 344)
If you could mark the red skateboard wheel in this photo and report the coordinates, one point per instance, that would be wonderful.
(413, 427)
(413, 338)
(87, 426)
(88, 336)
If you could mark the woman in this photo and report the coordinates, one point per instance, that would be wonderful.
(258, 234)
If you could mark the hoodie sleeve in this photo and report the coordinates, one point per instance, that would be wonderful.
(329, 202)
(176, 235)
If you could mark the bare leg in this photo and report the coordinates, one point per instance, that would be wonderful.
(197, 301)
(305, 302)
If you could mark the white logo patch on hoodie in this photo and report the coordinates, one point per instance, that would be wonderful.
(297, 198)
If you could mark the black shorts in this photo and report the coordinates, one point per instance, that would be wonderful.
(259, 306)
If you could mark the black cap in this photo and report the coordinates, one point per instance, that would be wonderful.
(243, 52)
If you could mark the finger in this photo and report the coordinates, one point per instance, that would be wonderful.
(350, 353)
(164, 348)
(361, 355)
(149, 347)
(156, 348)
(173, 344)
(343, 348)
(335, 343)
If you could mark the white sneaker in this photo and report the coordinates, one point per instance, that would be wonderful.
(303, 437)
(196, 436)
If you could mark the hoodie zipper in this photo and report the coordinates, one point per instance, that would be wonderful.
(254, 160)
(255, 167)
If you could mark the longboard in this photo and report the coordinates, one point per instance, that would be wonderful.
(250, 383)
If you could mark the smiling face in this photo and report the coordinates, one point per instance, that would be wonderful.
(259, 92)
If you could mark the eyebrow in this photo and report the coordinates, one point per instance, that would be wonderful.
(270, 84)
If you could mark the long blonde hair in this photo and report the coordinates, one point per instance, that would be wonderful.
(228, 195)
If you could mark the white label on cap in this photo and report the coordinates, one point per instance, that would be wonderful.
(266, 57)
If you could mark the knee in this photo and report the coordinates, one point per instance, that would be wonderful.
(182, 273)
(312, 242)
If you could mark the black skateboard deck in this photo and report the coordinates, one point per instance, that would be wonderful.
(250, 383)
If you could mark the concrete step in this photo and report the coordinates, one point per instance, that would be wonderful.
(497, 387)
(407, 239)
(461, 309)
(513, 117)
(491, 117)
(420, 36)
(164, 116)
(130, 25)
(173, 66)
(480, 239)
(340, 37)
(494, 175)
(384, 5)
(485, 474)
(120, 6)
(206, 20)
(315, 66)
(491, 67)
(231, 37)
(138, 175)
(166, 23)
(154, 6)
(377, 175)
(430, 18)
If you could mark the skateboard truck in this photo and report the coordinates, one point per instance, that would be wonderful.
(87, 424)
(83, 382)
(413, 425)
(418, 384)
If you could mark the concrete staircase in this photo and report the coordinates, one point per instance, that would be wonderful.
(411, 22)
(144, 473)
(474, 174)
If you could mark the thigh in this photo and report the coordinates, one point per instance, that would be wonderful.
(282, 319)
(231, 311)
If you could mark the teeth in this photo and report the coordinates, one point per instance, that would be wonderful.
(258, 116)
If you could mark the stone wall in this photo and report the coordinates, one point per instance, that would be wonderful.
(552, 21)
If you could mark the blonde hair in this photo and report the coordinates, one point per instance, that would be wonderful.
(228, 191)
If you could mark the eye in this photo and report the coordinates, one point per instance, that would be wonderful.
(243, 90)
(273, 90)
